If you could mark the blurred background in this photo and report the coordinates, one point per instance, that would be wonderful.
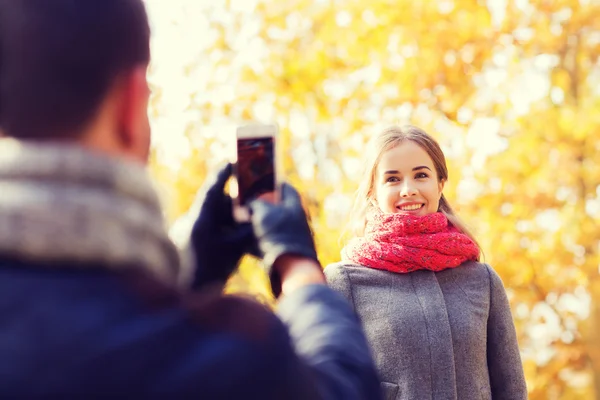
(510, 89)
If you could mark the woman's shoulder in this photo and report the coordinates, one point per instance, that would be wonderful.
(338, 278)
(480, 268)
(478, 276)
(355, 274)
(349, 268)
(339, 266)
(339, 270)
(475, 268)
(356, 281)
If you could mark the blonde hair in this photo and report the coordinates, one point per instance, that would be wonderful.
(388, 139)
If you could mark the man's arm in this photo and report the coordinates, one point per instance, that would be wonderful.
(325, 332)
(328, 338)
(314, 351)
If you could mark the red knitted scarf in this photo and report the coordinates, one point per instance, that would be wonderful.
(404, 243)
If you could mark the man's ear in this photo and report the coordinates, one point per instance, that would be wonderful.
(133, 124)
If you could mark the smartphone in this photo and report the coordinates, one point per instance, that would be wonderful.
(255, 169)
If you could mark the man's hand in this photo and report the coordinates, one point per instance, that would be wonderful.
(217, 240)
(285, 241)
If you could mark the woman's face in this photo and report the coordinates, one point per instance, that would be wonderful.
(406, 181)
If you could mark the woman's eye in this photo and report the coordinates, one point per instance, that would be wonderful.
(392, 179)
(421, 175)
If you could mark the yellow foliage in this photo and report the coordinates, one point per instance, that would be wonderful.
(335, 72)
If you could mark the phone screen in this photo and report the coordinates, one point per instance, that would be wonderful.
(255, 168)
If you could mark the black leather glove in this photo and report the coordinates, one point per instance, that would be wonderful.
(217, 240)
(282, 229)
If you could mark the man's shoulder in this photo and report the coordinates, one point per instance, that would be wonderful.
(136, 297)
(124, 329)
(238, 315)
(209, 311)
(243, 342)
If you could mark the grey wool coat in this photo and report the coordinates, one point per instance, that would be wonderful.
(436, 335)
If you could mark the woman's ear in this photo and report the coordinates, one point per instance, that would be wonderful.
(441, 184)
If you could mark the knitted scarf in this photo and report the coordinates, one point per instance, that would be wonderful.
(405, 243)
(62, 204)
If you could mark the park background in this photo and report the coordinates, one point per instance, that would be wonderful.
(510, 89)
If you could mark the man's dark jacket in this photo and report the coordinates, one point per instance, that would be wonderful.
(66, 331)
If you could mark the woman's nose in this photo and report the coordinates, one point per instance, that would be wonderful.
(407, 189)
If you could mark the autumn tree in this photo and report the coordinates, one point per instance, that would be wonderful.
(508, 88)
(539, 203)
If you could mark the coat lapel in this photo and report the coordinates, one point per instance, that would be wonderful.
(439, 336)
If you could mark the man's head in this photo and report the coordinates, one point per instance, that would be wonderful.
(75, 70)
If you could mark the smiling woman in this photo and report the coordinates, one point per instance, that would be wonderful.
(406, 181)
(401, 150)
(413, 276)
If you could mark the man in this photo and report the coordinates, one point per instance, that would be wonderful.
(95, 297)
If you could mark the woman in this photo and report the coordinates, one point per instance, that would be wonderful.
(438, 321)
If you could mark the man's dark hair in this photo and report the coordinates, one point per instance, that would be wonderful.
(59, 58)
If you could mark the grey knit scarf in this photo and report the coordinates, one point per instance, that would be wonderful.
(64, 204)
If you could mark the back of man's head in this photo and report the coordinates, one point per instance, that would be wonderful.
(59, 59)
